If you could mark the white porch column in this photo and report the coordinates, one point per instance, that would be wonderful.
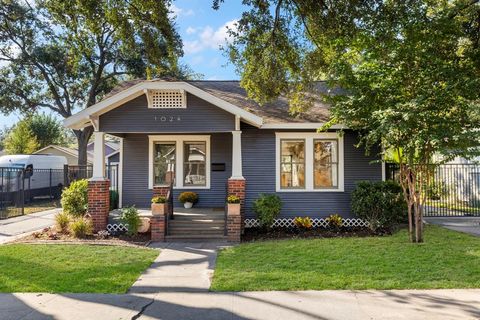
(237, 155)
(99, 156)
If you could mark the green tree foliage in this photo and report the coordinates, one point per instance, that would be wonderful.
(411, 71)
(3, 136)
(47, 130)
(20, 139)
(65, 55)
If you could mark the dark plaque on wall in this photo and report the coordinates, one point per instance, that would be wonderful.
(218, 166)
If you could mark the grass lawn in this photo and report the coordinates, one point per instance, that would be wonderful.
(71, 268)
(447, 259)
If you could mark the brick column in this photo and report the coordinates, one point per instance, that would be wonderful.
(157, 225)
(99, 203)
(163, 191)
(160, 191)
(235, 222)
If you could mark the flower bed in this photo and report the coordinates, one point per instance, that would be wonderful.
(254, 234)
(51, 235)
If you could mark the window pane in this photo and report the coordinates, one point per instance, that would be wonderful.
(325, 175)
(325, 164)
(164, 163)
(292, 166)
(293, 176)
(293, 151)
(194, 165)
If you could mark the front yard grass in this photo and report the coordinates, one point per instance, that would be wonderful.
(71, 268)
(447, 259)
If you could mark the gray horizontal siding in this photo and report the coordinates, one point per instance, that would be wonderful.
(135, 117)
(258, 148)
(135, 172)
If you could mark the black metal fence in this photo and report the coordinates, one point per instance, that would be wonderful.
(451, 190)
(33, 190)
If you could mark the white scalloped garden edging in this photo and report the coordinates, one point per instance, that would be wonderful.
(316, 222)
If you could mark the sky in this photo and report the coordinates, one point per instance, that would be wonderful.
(203, 31)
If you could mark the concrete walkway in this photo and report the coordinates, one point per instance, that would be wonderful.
(176, 287)
(470, 225)
(180, 267)
(13, 228)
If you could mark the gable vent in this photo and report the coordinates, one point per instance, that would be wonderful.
(167, 99)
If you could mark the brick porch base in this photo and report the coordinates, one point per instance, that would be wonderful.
(99, 203)
(235, 222)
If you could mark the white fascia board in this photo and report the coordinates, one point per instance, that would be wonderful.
(300, 125)
(112, 154)
(82, 118)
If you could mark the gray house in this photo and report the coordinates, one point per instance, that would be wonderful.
(207, 132)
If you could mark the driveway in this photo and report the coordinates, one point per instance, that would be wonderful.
(14, 228)
(470, 225)
(176, 287)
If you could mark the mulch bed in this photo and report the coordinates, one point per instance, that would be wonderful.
(255, 234)
(51, 236)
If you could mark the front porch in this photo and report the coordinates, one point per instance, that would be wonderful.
(186, 225)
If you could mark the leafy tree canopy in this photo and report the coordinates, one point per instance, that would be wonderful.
(410, 70)
(21, 140)
(46, 129)
(66, 54)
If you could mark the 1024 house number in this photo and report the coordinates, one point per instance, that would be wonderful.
(168, 118)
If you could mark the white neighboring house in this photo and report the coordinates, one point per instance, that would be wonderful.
(112, 153)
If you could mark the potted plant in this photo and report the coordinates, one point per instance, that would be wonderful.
(188, 199)
(159, 205)
(233, 204)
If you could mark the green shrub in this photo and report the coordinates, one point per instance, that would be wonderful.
(62, 220)
(81, 227)
(75, 198)
(113, 199)
(381, 203)
(131, 218)
(233, 199)
(303, 223)
(188, 197)
(159, 199)
(267, 207)
(334, 221)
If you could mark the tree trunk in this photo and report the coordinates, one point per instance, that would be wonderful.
(83, 136)
(410, 221)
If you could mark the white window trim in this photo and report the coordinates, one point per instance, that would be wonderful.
(309, 137)
(179, 140)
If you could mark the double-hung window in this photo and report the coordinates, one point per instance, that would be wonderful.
(309, 162)
(292, 166)
(183, 160)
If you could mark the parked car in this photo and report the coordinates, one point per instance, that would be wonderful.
(37, 175)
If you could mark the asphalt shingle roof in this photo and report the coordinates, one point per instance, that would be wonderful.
(273, 112)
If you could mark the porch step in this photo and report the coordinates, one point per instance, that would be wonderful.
(185, 223)
(196, 238)
(196, 225)
(193, 227)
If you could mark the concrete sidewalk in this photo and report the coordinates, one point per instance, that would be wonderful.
(470, 225)
(332, 305)
(13, 228)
